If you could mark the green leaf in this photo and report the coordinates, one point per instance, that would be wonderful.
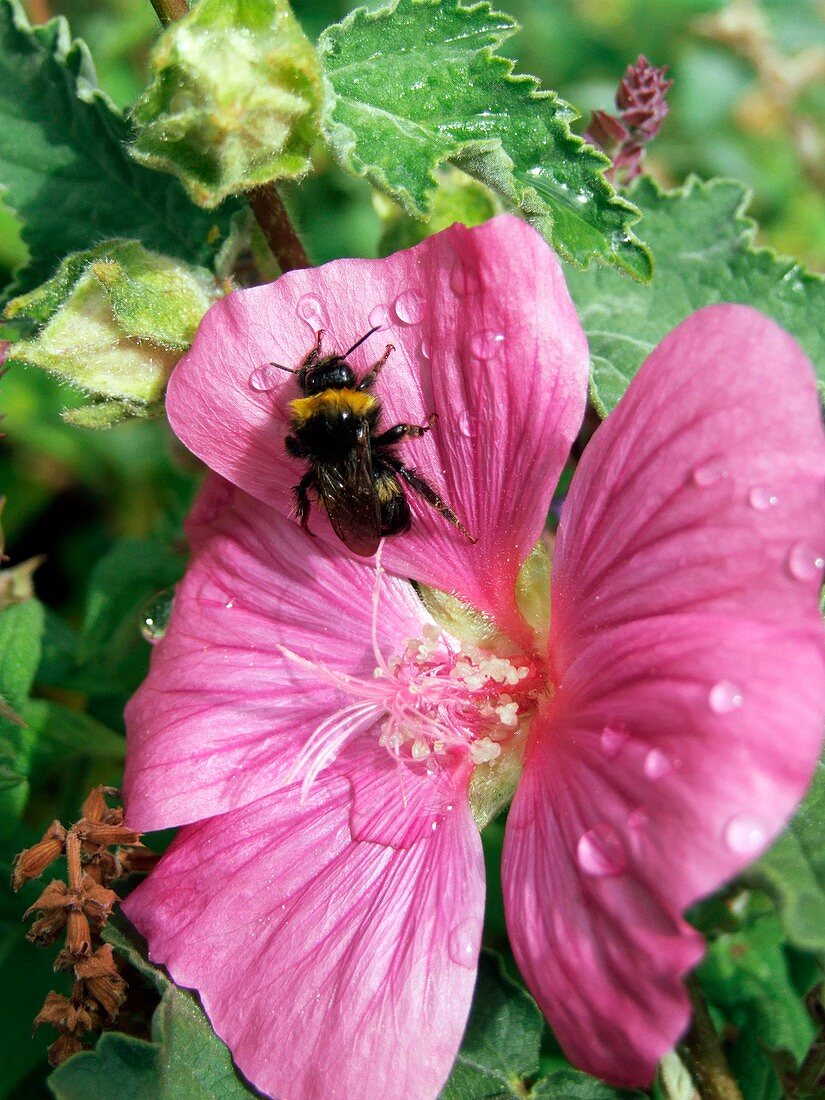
(63, 162)
(501, 1043)
(793, 871)
(234, 101)
(113, 655)
(571, 1084)
(63, 734)
(746, 976)
(704, 249)
(184, 1059)
(21, 631)
(417, 84)
(113, 321)
(456, 199)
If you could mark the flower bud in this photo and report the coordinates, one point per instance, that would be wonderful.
(113, 321)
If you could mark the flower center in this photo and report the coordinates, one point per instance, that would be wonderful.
(443, 697)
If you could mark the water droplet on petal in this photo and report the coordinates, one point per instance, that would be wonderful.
(265, 378)
(804, 563)
(379, 317)
(762, 499)
(745, 834)
(725, 697)
(600, 852)
(709, 473)
(312, 311)
(410, 307)
(612, 740)
(486, 343)
(466, 425)
(657, 765)
(463, 944)
(424, 349)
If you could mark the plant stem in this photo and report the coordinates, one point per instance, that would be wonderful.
(265, 202)
(168, 11)
(271, 215)
(711, 1071)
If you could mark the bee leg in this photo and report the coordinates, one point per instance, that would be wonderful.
(403, 431)
(302, 501)
(369, 378)
(417, 483)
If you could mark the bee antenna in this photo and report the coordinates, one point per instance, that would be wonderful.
(358, 343)
(280, 366)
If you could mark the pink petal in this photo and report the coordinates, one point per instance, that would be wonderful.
(646, 787)
(703, 490)
(223, 714)
(485, 336)
(331, 966)
(687, 646)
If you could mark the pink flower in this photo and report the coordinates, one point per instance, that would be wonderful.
(326, 740)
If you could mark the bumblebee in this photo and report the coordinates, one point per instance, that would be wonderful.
(353, 468)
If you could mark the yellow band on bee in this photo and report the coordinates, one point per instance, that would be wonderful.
(332, 402)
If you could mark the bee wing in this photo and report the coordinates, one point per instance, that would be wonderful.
(347, 491)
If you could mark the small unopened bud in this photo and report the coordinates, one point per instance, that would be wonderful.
(33, 861)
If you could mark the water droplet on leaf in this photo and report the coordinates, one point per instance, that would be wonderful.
(156, 615)
(600, 852)
(725, 697)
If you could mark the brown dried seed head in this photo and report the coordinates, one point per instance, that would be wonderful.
(103, 982)
(78, 939)
(55, 1012)
(95, 808)
(97, 900)
(33, 861)
(63, 1048)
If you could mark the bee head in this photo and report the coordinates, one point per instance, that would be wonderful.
(331, 373)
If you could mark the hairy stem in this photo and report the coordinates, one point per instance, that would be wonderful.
(168, 11)
(701, 1045)
(265, 202)
(271, 215)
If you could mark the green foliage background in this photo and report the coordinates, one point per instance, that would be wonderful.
(106, 507)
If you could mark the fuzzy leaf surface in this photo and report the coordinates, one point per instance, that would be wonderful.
(704, 249)
(234, 101)
(417, 84)
(501, 1043)
(793, 871)
(63, 162)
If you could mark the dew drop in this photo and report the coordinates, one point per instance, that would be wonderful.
(265, 378)
(657, 765)
(725, 697)
(410, 307)
(312, 311)
(745, 834)
(424, 349)
(466, 425)
(709, 473)
(379, 317)
(600, 852)
(156, 615)
(486, 343)
(462, 944)
(804, 563)
(762, 499)
(612, 740)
